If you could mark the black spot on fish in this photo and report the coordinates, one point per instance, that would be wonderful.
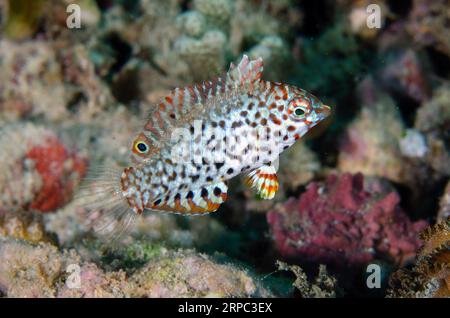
(217, 191)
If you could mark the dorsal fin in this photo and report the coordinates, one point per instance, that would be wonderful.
(184, 105)
(246, 73)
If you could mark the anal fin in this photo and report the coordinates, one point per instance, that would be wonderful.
(264, 180)
(198, 201)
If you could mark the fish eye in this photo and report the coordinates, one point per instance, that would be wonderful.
(299, 112)
(141, 147)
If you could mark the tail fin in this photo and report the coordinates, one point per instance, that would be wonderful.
(107, 211)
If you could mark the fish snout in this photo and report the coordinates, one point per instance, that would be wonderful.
(323, 111)
(326, 110)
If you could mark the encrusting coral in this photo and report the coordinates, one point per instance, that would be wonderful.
(430, 276)
(343, 222)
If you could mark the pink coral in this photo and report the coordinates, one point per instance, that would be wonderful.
(343, 223)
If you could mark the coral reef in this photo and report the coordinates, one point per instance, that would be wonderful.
(444, 204)
(36, 75)
(185, 274)
(275, 54)
(433, 120)
(427, 24)
(371, 142)
(69, 97)
(404, 74)
(430, 276)
(169, 47)
(43, 271)
(217, 13)
(204, 56)
(24, 226)
(40, 171)
(31, 270)
(340, 222)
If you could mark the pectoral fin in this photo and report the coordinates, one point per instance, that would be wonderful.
(264, 180)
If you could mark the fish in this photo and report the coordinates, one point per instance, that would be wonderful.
(201, 136)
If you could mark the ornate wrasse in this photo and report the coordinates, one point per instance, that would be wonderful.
(200, 136)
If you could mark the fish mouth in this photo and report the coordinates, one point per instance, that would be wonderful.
(324, 111)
